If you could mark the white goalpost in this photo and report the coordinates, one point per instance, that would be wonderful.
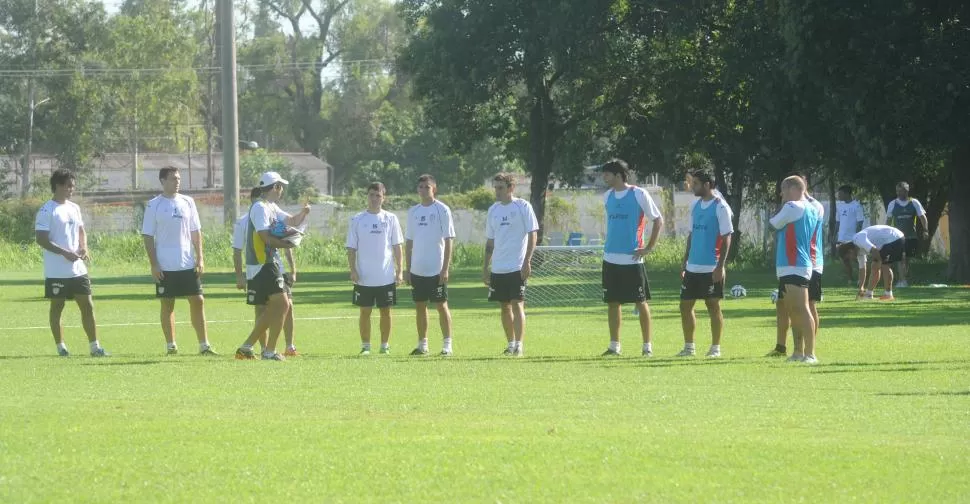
(565, 276)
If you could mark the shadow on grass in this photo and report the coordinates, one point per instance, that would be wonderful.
(128, 363)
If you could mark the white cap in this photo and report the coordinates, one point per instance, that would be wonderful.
(270, 178)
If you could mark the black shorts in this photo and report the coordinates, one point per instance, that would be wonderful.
(700, 286)
(267, 282)
(506, 287)
(625, 283)
(796, 280)
(67, 288)
(424, 289)
(382, 296)
(912, 247)
(892, 252)
(179, 284)
(815, 287)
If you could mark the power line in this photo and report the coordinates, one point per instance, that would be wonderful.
(92, 71)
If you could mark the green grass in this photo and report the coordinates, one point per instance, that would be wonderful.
(883, 418)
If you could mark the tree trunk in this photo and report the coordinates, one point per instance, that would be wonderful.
(541, 155)
(959, 217)
(935, 204)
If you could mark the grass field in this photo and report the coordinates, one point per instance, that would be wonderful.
(884, 417)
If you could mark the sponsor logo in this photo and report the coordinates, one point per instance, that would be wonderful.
(161, 290)
(56, 290)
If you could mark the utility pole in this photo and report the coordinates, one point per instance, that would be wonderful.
(210, 179)
(230, 126)
(28, 145)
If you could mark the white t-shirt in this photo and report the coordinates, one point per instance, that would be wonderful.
(239, 236)
(374, 236)
(63, 223)
(509, 225)
(171, 221)
(848, 215)
(263, 215)
(650, 211)
(876, 236)
(724, 225)
(916, 204)
(428, 228)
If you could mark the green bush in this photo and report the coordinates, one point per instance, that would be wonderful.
(17, 218)
(480, 199)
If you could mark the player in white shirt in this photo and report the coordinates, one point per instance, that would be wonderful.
(850, 218)
(265, 283)
(376, 258)
(511, 230)
(703, 272)
(628, 208)
(172, 232)
(429, 236)
(289, 278)
(903, 213)
(886, 245)
(59, 230)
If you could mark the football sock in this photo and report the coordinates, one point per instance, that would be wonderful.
(204, 346)
(648, 347)
(95, 345)
(61, 346)
(423, 344)
(292, 348)
(869, 293)
(715, 348)
(365, 346)
(385, 346)
(446, 344)
(688, 346)
(511, 345)
(615, 346)
(887, 293)
(247, 347)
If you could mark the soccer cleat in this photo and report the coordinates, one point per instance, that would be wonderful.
(364, 352)
(713, 354)
(445, 352)
(508, 352)
(172, 351)
(795, 358)
(647, 353)
(419, 351)
(99, 352)
(385, 350)
(245, 354)
(610, 353)
(209, 352)
(291, 352)
(776, 353)
(63, 352)
(517, 352)
(687, 352)
(275, 356)
(810, 360)
(887, 297)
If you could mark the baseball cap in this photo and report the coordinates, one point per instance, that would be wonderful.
(270, 178)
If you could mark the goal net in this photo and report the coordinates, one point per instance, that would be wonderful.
(565, 276)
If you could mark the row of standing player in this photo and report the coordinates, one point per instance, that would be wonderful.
(172, 234)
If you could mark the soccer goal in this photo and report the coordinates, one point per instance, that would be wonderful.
(565, 276)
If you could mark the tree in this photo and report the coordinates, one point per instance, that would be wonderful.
(896, 80)
(526, 73)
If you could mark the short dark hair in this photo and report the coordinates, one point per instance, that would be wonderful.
(255, 193)
(844, 249)
(846, 189)
(705, 176)
(165, 172)
(60, 177)
(617, 166)
(266, 189)
(903, 185)
(505, 177)
(427, 177)
(376, 186)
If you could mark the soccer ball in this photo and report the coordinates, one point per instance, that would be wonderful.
(774, 296)
(738, 291)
